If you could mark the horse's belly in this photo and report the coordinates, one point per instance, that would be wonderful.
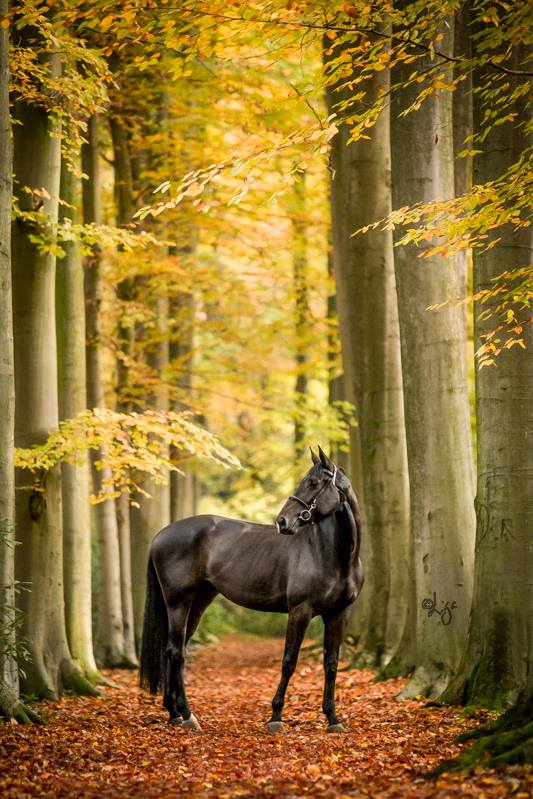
(258, 602)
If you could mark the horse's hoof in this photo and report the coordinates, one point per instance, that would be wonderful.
(176, 721)
(337, 727)
(275, 726)
(191, 723)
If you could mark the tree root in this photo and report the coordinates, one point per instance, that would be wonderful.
(14, 709)
(74, 681)
(506, 741)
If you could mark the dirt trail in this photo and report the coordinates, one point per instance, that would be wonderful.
(120, 744)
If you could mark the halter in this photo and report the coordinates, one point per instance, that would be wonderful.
(305, 515)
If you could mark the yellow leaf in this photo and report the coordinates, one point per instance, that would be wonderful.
(194, 189)
(106, 22)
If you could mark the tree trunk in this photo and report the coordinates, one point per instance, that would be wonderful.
(10, 704)
(435, 388)
(153, 512)
(183, 491)
(350, 461)
(124, 206)
(72, 385)
(110, 644)
(301, 315)
(336, 389)
(497, 663)
(39, 559)
(366, 300)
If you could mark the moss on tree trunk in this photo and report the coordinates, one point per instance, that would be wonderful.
(504, 742)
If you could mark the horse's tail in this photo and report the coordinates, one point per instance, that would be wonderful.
(155, 633)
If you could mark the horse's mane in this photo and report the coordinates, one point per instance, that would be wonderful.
(353, 520)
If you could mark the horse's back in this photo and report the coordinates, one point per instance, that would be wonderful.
(178, 554)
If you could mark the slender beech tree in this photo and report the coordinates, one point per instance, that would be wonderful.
(181, 344)
(301, 315)
(111, 643)
(368, 316)
(339, 390)
(39, 559)
(132, 524)
(124, 210)
(10, 704)
(152, 511)
(437, 416)
(497, 663)
(72, 384)
(336, 388)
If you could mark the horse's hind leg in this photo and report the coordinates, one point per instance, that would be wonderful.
(202, 599)
(299, 618)
(175, 698)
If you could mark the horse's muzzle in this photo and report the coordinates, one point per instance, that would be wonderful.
(283, 527)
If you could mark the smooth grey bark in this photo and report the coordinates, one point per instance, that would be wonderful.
(39, 559)
(72, 388)
(497, 663)
(110, 646)
(11, 706)
(437, 415)
(366, 301)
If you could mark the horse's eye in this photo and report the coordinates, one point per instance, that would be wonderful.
(313, 482)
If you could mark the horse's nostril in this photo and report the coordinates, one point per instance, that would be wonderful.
(281, 522)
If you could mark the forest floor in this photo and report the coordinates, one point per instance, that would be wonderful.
(119, 745)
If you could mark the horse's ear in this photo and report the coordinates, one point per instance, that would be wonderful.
(315, 458)
(325, 461)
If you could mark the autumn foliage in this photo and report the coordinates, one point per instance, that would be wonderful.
(121, 745)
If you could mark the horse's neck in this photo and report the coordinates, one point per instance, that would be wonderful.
(336, 538)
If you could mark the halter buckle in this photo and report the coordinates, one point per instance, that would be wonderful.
(305, 516)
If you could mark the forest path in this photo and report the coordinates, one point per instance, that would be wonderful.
(121, 745)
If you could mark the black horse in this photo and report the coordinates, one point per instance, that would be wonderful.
(313, 569)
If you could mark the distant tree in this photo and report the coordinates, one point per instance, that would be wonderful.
(72, 385)
(109, 640)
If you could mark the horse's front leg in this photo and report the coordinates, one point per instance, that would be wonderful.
(299, 618)
(333, 631)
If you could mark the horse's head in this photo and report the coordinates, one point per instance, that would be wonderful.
(319, 494)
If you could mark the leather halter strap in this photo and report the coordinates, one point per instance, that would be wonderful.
(306, 514)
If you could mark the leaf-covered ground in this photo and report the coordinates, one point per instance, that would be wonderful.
(121, 745)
